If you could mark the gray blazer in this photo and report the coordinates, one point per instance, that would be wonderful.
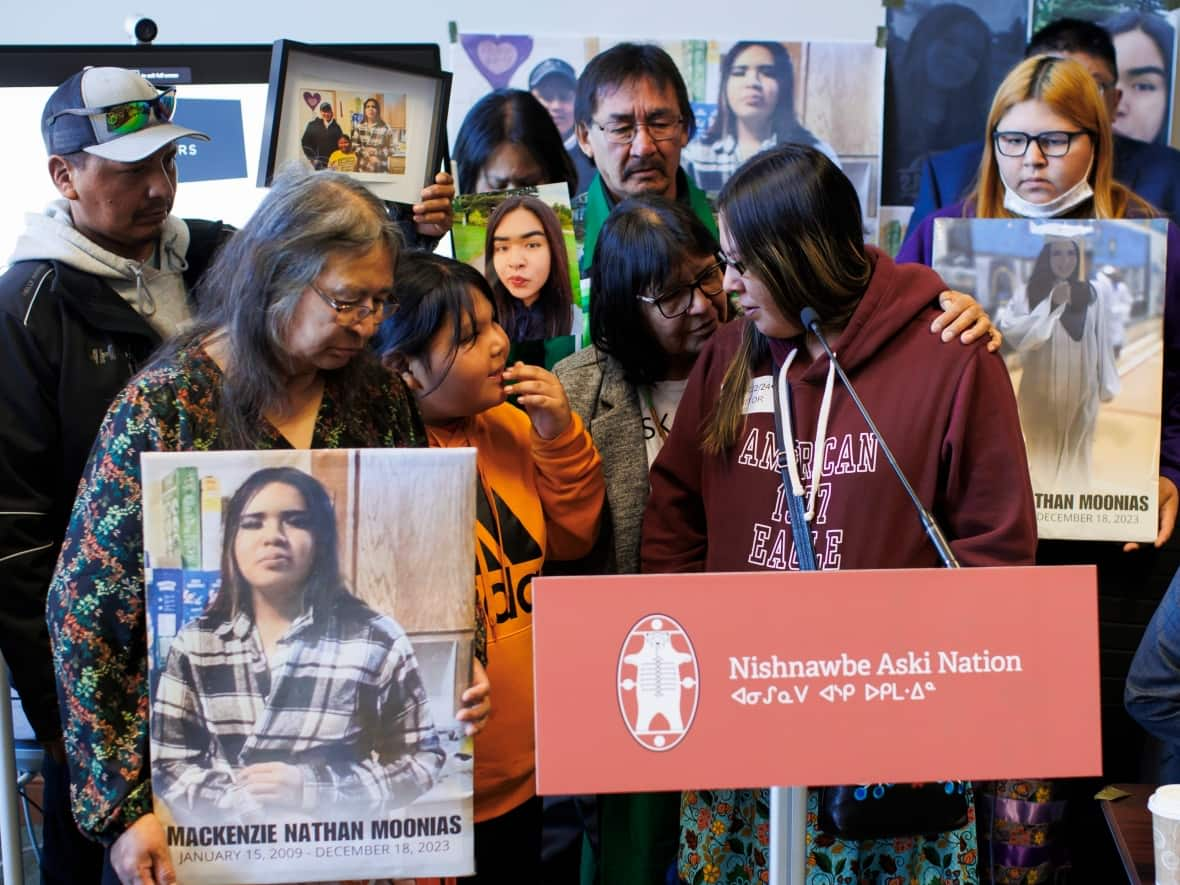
(610, 409)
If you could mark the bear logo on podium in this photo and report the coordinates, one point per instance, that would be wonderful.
(658, 682)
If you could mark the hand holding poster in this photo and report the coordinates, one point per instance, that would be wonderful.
(305, 684)
(1080, 304)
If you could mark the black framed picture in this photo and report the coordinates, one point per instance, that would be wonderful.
(381, 122)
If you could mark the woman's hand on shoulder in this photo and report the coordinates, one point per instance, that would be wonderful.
(140, 856)
(477, 700)
(962, 316)
(541, 395)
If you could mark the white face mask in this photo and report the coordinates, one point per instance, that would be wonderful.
(1059, 205)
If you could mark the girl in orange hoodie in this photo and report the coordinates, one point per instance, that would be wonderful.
(540, 496)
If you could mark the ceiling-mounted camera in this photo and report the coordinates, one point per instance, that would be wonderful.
(141, 29)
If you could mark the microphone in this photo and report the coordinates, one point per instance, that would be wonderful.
(810, 320)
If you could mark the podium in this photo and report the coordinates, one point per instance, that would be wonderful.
(744, 680)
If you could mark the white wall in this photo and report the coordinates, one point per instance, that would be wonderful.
(323, 21)
(418, 21)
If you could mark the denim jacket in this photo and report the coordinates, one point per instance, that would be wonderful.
(1152, 695)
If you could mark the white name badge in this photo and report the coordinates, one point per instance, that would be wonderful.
(761, 399)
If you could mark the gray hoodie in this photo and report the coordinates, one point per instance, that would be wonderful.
(155, 288)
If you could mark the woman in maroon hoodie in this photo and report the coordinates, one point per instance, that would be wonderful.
(790, 231)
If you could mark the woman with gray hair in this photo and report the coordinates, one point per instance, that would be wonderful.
(277, 359)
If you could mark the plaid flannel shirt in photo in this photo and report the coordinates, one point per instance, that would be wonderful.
(342, 700)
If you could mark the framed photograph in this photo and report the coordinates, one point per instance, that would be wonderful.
(383, 123)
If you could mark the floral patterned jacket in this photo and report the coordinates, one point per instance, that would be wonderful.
(95, 608)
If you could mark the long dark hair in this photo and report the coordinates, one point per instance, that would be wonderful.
(376, 104)
(1042, 280)
(911, 78)
(795, 220)
(556, 296)
(252, 288)
(325, 586)
(784, 124)
(643, 242)
(511, 116)
(431, 290)
(1160, 32)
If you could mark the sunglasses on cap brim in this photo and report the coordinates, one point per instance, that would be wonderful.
(129, 116)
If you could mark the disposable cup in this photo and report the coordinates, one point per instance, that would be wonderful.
(1164, 805)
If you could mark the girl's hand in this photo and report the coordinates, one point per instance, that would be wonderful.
(1060, 294)
(477, 700)
(435, 214)
(1169, 499)
(275, 783)
(962, 316)
(140, 855)
(542, 396)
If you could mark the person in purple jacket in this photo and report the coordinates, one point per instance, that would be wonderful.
(1048, 154)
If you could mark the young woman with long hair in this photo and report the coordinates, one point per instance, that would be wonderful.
(791, 238)
(527, 266)
(1048, 154)
(755, 111)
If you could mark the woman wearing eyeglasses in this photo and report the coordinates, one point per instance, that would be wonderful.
(718, 502)
(277, 359)
(1047, 154)
(658, 300)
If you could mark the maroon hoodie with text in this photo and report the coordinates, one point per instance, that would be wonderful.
(946, 410)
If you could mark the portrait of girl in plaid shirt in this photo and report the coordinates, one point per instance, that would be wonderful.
(289, 693)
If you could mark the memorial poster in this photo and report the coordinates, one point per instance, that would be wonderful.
(310, 617)
(1081, 306)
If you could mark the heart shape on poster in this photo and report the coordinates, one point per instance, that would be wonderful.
(496, 57)
(312, 99)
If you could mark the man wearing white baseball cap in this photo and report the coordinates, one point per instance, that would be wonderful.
(95, 283)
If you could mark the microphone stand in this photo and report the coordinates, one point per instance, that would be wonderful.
(788, 805)
(941, 546)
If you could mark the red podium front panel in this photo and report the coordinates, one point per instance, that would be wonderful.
(664, 682)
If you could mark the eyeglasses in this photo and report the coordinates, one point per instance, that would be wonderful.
(726, 261)
(129, 116)
(677, 301)
(657, 130)
(351, 313)
(1052, 144)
